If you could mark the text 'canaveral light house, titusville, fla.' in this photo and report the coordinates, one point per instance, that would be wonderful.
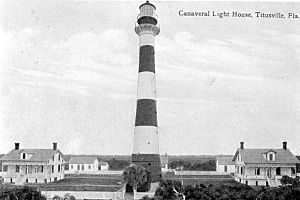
(145, 144)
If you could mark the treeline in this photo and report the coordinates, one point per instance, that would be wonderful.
(115, 164)
(173, 190)
(209, 165)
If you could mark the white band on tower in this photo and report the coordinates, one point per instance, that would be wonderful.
(146, 138)
(146, 85)
(147, 39)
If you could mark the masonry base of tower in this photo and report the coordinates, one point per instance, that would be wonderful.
(151, 162)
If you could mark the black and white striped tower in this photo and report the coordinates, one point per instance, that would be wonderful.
(145, 144)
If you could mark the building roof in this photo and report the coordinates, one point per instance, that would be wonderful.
(103, 163)
(164, 159)
(38, 155)
(225, 160)
(82, 160)
(256, 156)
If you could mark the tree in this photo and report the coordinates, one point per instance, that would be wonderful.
(134, 176)
(24, 193)
(68, 196)
(169, 190)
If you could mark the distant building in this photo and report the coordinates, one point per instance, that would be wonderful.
(103, 166)
(225, 164)
(86, 164)
(21, 166)
(78, 164)
(264, 166)
(164, 159)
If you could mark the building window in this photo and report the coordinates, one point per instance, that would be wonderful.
(82, 167)
(5, 168)
(53, 158)
(278, 171)
(267, 184)
(24, 156)
(293, 171)
(256, 183)
(71, 166)
(59, 157)
(35, 180)
(45, 180)
(89, 166)
(26, 180)
(78, 167)
(52, 168)
(58, 168)
(42, 168)
(271, 157)
(241, 170)
(257, 171)
(225, 168)
(17, 168)
(11, 180)
(246, 182)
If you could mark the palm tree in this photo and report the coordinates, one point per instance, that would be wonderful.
(135, 175)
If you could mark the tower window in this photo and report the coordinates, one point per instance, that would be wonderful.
(149, 164)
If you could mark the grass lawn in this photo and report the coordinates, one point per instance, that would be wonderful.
(85, 182)
(110, 183)
(202, 179)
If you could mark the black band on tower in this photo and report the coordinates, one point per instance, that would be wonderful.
(151, 162)
(145, 157)
(147, 20)
(146, 113)
(147, 62)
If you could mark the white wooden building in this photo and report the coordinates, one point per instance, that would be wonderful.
(264, 166)
(103, 166)
(21, 166)
(83, 164)
(225, 164)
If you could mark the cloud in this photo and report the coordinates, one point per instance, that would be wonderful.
(75, 145)
(84, 60)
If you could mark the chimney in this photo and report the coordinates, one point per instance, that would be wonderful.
(17, 146)
(284, 145)
(54, 146)
(242, 145)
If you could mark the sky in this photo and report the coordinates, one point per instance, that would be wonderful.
(69, 75)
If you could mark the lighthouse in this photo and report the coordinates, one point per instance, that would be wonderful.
(145, 144)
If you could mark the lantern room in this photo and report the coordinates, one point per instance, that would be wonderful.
(147, 14)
